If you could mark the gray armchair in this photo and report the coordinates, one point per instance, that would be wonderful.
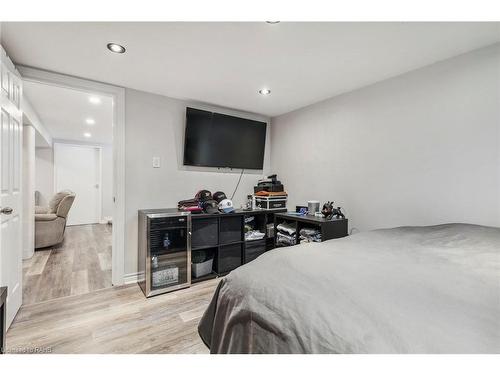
(50, 222)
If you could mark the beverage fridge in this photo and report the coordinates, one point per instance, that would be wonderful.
(164, 251)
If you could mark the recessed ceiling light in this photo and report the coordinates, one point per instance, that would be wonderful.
(90, 121)
(116, 48)
(95, 100)
(87, 135)
(273, 22)
(264, 91)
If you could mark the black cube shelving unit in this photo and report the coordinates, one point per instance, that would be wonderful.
(224, 235)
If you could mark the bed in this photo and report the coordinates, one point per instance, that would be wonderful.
(429, 289)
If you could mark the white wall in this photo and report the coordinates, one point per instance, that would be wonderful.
(107, 181)
(43, 137)
(418, 149)
(29, 134)
(44, 174)
(155, 127)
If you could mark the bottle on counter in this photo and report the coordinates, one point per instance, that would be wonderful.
(166, 241)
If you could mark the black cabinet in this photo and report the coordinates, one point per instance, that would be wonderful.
(223, 235)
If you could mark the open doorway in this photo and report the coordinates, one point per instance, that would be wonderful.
(73, 192)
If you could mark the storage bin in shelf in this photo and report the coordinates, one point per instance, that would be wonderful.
(228, 258)
(254, 249)
(202, 262)
(202, 268)
(231, 229)
(205, 232)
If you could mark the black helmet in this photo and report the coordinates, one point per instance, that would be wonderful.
(219, 196)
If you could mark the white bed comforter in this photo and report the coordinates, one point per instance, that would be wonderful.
(403, 290)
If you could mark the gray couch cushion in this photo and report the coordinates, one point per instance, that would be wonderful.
(45, 217)
(56, 199)
(65, 205)
(41, 210)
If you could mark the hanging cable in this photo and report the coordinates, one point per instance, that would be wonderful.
(238, 184)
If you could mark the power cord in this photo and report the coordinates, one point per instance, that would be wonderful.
(238, 184)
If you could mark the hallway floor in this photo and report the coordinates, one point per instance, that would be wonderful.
(82, 264)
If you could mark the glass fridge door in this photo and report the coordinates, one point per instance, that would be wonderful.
(168, 257)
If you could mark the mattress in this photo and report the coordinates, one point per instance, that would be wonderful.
(429, 289)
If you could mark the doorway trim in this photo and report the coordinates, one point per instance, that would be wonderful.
(118, 94)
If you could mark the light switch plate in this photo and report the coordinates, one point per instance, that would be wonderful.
(156, 162)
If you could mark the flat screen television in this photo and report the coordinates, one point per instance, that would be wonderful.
(218, 140)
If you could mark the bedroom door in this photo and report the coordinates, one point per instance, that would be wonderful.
(10, 185)
(78, 168)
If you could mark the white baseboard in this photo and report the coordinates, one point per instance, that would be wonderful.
(28, 253)
(131, 278)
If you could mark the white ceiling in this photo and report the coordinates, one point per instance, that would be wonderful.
(64, 111)
(227, 63)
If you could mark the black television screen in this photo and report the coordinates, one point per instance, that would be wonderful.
(217, 140)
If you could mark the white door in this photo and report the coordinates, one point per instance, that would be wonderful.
(10, 185)
(78, 168)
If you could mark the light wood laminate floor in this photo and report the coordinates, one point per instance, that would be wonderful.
(80, 265)
(114, 320)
